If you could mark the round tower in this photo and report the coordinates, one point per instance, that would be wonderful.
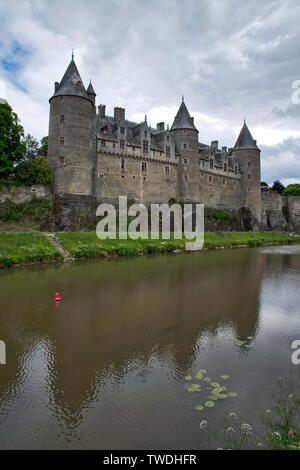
(248, 155)
(70, 135)
(185, 136)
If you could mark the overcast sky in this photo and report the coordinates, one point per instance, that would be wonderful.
(229, 58)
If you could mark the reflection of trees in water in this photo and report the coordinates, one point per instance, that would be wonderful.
(121, 314)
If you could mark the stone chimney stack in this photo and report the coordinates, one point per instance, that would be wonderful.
(119, 114)
(101, 110)
(160, 126)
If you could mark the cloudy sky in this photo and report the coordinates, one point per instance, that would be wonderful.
(229, 58)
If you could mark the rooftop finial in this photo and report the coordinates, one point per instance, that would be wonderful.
(72, 54)
(145, 117)
(244, 120)
(182, 97)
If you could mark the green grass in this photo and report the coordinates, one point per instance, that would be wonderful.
(86, 244)
(25, 247)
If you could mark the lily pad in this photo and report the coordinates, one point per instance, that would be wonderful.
(199, 375)
(199, 407)
(215, 384)
(223, 395)
(188, 377)
(207, 379)
(213, 397)
(203, 371)
(224, 377)
(209, 404)
(232, 394)
(209, 388)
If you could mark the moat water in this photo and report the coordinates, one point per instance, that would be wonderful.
(106, 368)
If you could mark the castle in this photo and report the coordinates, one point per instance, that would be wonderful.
(96, 156)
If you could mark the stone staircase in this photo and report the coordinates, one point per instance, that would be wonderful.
(54, 240)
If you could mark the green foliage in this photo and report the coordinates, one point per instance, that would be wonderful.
(81, 244)
(38, 210)
(34, 170)
(220, 214)
(278, 187)
(12, 148)
(292, 190)
(32, 146)
(282, 420)
(43, 150)
(25, 247)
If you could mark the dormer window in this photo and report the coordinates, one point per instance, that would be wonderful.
(122, 144)
(211, 163)
(104, 129)
(145, 146)
(225, 166)
(168, 152)
(145, 133)
(122, 130)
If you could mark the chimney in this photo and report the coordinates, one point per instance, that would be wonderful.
(101, 110)
(119, 114)
(214, 144)
(160, 126)
(224, 148)
(56, 86)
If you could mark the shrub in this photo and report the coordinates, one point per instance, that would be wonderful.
(220, 214)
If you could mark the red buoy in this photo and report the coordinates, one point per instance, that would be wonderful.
(57, 297)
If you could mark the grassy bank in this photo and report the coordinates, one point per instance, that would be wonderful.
(26, 247)
(86, 244)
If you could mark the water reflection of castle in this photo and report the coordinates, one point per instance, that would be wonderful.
(131, 309)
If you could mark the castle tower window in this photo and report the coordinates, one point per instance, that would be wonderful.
(145, 133)
(167, 170)
(199, 151)
(184, 146)
(225, 166)
(102, 143)
(122, 144)
(186, 177)
(62, 141)
(122, 130)
(144, 166)
(62, 118)
(201, 173)
(104, 129)
(185, 161)
(235, 169)
(209, 179)
(62, 160)
(223, 181)
(211, 163)
(145, 146)
(114, 145)
(122, 163)
(248, 176)
(168, 152)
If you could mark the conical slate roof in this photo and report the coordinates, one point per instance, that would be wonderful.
(71, 83)
(183, 119)
(245, 139)
(90, 90)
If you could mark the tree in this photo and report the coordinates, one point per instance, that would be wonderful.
(43, 150)
(292, 190)
(32, 146)
(12, 148)
(36, 170)
(278, 187)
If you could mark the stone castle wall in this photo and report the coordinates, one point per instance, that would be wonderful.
(20, 194)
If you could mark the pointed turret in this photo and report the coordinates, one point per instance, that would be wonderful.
(91, 92)
(71, 83)
(245, 140)
(183, 119)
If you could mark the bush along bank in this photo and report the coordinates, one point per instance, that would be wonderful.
(26, 247)
(86, 244)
